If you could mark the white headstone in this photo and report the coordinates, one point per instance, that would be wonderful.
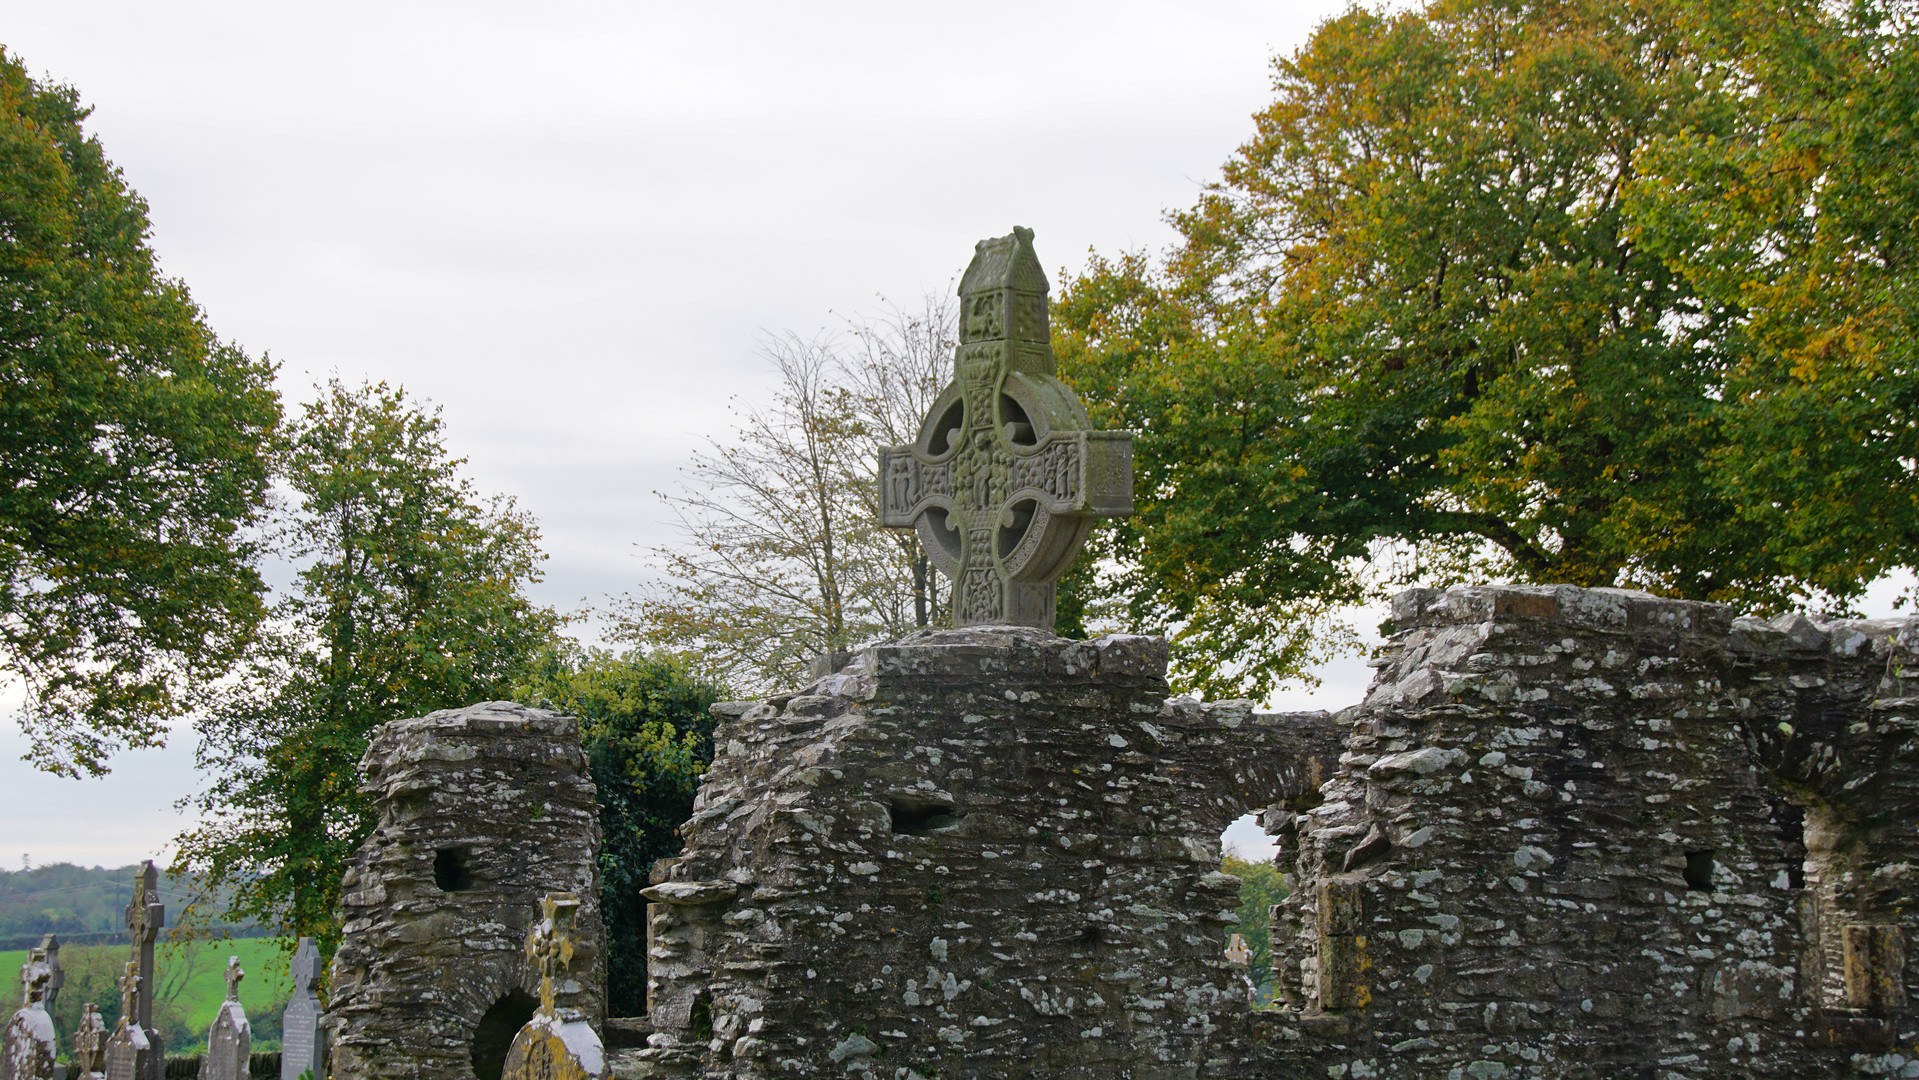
(302, 1050)
(230, 1039)
(27, 1049)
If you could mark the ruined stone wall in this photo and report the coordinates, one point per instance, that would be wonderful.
(968, 854)
(483, 810)
(1592, 833)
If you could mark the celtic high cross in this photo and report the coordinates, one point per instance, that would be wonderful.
(1005, 480)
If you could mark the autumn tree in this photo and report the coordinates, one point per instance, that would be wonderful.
(1442, 318)
(410, 597)
(782, 557)
(133, 461)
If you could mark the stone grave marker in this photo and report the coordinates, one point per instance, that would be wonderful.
(57, 975)
(558, 1043)
(301, 1048)
(229, 1039)
(28, 1047)
(89, 1044)
(130, 1056)
(145, 916)
(1006, 478)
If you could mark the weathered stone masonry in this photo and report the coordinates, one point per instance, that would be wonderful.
(1569, 833)
(483, 811)
(972, 853)
(1593, 833)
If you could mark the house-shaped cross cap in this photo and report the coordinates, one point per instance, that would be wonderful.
(1006, 478)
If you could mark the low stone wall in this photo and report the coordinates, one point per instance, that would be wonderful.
(967, 854)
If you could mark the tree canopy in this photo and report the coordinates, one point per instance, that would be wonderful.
(133, 460)
(410, 598)
(1583, 292)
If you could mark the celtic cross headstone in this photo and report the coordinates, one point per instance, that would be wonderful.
(230, 1038)
(89, 1044)
(145, 916)
(1006, 478)
(558, 1043)
(27, 1046)
(301, 1048)
(130, 1056)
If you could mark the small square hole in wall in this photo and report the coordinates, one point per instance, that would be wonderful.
(450, 870)
(1699, 868)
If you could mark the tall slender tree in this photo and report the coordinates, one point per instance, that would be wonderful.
(782, 557)
(410, 598)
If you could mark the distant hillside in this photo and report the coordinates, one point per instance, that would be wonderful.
(84, 905)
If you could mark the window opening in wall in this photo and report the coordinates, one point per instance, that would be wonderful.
(918, 817)
(493, 1035)
(450, 870)
(1699, 868)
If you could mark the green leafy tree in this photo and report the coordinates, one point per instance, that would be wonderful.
(133, 458)
(648, 735)
(1418, 331)
(410, 598)
(1798, 216)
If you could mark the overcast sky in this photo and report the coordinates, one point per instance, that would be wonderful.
(567, 223)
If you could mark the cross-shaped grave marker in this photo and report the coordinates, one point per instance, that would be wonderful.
(549, 944)
(1005, 480)
(234, 975)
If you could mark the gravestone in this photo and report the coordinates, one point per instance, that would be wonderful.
(89, 1044)
(130, 1055)
(1005, 480)
(27, 1049)
(301, 1048)
(558, 1043)
(145, 916)
(57, 975)
(229, 1039)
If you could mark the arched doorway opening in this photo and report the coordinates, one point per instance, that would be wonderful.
(493, 1035)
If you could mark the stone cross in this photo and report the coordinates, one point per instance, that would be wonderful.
(89, 1043)
(145, 916)
(301, 1048)
(557, 1044)
(27, 1046)
(58, 975)
(1005, 480)
(130, 1055)
(230, 1038)
(549, 944)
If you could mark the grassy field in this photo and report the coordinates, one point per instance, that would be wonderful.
(195, 993)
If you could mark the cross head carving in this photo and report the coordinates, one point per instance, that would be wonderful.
(129, 994)
(1006, 478)
(549, 944)
(234, 975)
(306, 967)
(35, 974)
(89, 1040)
